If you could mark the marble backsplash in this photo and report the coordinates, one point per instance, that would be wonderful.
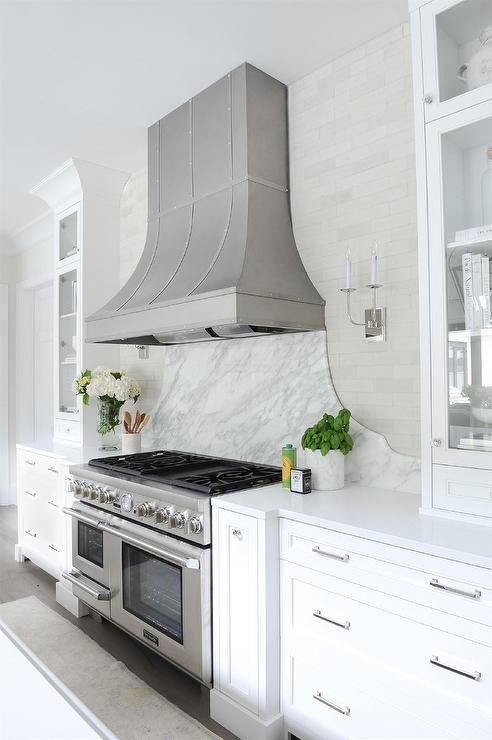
(246, 398)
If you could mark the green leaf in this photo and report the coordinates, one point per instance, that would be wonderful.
(85, 399)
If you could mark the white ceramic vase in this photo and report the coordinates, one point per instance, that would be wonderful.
(327, 471)
(131, 443)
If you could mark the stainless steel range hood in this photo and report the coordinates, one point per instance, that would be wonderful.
(220, 259)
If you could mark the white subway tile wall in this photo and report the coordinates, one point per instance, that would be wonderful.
(352, 181)
(352, 171)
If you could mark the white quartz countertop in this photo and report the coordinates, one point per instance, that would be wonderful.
(381, 515)
(70, 454)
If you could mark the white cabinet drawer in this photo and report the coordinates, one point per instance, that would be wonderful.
(67, 429)
(462, 490)
(321, 621)
(320, 702)
(434, 582)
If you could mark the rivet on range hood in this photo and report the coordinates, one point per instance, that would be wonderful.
(220, 260)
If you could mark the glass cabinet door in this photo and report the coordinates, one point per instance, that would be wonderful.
(460, 219)
(457, 54)
(67, 340)
(68, 234)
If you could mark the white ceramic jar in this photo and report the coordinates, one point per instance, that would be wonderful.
(327, 471)
(131, 443)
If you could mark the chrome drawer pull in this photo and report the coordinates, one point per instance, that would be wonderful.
(30, 462)
(237, 533)
(53, 470)
(345, 625)
(475, 594)
(31, 493)
(53, 503)
(343, 710)
(52, 547)
(103, 594)
(31, 534)
(317, 549)
(474, 675)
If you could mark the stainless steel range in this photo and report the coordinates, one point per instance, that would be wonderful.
(141, 545)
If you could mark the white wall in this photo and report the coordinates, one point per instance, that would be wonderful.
(352, 182)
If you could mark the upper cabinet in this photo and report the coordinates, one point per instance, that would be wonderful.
(456, 55)
(85, 200)
(453, 66)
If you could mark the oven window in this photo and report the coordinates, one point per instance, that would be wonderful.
(152, 591)
(90, 544)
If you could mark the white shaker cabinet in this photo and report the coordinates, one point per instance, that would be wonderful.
(245, 697)
(453, 110)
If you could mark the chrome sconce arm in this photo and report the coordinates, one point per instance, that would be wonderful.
(375, 318)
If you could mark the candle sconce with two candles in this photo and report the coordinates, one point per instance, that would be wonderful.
(375, 318)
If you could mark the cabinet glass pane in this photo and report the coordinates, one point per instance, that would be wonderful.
(67, 350)
(467, 197)
(68, 236)
(464, 47)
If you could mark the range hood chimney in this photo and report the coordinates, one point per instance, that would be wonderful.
(220, 259)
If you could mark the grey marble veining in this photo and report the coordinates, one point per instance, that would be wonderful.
(246, 398)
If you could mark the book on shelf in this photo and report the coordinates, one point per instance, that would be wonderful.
(476, 290)
(476, 441)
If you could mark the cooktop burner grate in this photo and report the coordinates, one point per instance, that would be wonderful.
(201, 473)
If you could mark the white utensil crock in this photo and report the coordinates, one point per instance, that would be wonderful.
(131, 443)
(327, 471)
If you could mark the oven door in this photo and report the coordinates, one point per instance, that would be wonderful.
(90, 545)
(160, 592)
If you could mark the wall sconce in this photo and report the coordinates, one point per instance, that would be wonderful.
(375, 318)
(143, 351)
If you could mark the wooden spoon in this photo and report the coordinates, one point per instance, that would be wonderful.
(142, 417)
(144, 423)
(127, 422)
(137, 422)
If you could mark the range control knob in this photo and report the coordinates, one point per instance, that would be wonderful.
(93, 492)
(106, 496)
(145, 509)
(178, 520)
(163, 516)
(85, 488)
(195, 525)
(76, 488)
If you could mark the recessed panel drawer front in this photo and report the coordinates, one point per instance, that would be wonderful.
(323, 621)
(67, 429)
(463, 490)
(445, 585)
(321, 702)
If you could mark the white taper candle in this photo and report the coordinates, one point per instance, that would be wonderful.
(374, 265)
(348, 270)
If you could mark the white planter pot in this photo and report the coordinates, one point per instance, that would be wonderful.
(327, 471)
(131, 443)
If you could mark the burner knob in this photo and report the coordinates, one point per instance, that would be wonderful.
(163, 516)
(145, 509)
(195, 525)
(105, 496)
(76, 488)
(178, 520)
(90, 491)
(86, 489)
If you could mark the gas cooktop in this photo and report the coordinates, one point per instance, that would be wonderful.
(201, 473)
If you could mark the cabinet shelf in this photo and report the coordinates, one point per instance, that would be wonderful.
(478, 243)
(69, 362)
(68, 315)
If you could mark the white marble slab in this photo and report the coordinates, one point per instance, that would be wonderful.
(246, 398)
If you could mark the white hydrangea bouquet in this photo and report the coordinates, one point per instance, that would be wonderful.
(112, 389)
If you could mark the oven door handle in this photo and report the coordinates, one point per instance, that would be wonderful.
(86, 518)
(173, 557)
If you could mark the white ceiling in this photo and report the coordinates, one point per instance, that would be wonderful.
(84, 78)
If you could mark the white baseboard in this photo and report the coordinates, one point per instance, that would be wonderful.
(242, 722)
(68, 601)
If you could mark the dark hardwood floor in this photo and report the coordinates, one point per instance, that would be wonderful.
(18, 580)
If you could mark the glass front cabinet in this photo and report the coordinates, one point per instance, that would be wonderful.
(452, 44)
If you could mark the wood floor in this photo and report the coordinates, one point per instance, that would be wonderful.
(18, 580)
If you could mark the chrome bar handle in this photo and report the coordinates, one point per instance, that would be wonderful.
(53, 503)
(319, 615)
(53, 470)
(474, 675)
(173, 557)
(99, 595)
(317, 549)
(343, 710)
(30, 493)
(30, 462)
(31, 534)
(475, 594)
(52, 547)
(81, 516)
